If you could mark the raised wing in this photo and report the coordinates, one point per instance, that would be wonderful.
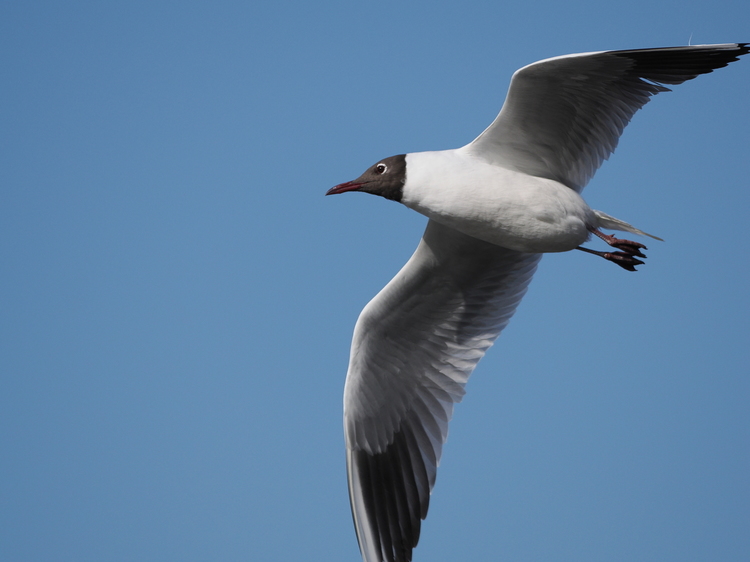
(415, 345)
(564, 116)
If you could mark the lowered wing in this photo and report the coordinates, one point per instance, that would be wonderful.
(415, 345)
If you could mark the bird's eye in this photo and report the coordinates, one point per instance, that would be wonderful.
(380, 168)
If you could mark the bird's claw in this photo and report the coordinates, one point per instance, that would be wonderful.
(628, 246)
(623, 259)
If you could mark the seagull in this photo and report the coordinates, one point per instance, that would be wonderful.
(494, 207)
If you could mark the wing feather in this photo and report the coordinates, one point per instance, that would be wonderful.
(415, 345)
(564, 116)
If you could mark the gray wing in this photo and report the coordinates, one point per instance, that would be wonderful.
(564, 116)
(415, 345)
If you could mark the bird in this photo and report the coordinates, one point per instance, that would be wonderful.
(495, 206)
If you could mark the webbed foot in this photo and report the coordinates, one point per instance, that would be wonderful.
(628, 246)
(623, 259)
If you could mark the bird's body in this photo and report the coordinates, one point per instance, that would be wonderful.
(495, 206)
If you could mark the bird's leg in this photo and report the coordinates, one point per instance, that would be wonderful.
(628, 246)
(623, 259)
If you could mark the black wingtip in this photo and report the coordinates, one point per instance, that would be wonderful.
(394, 486)
(675, 65)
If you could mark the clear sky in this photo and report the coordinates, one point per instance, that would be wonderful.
(178, 296)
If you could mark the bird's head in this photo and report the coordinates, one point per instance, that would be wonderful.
(386, 178)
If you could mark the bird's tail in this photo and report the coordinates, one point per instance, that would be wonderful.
(605, 221)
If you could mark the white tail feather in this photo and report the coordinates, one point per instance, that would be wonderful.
(605, 221)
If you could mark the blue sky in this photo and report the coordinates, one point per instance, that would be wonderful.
(178, 296)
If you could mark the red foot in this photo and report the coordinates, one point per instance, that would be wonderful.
(623, 259)
(627, 246)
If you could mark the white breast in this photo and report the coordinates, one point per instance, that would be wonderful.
(501, 206)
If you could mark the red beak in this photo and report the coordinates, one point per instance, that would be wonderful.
(344, 187)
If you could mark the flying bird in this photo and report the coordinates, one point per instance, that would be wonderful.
(494, 207)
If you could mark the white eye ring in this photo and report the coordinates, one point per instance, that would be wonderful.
(381, 168)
